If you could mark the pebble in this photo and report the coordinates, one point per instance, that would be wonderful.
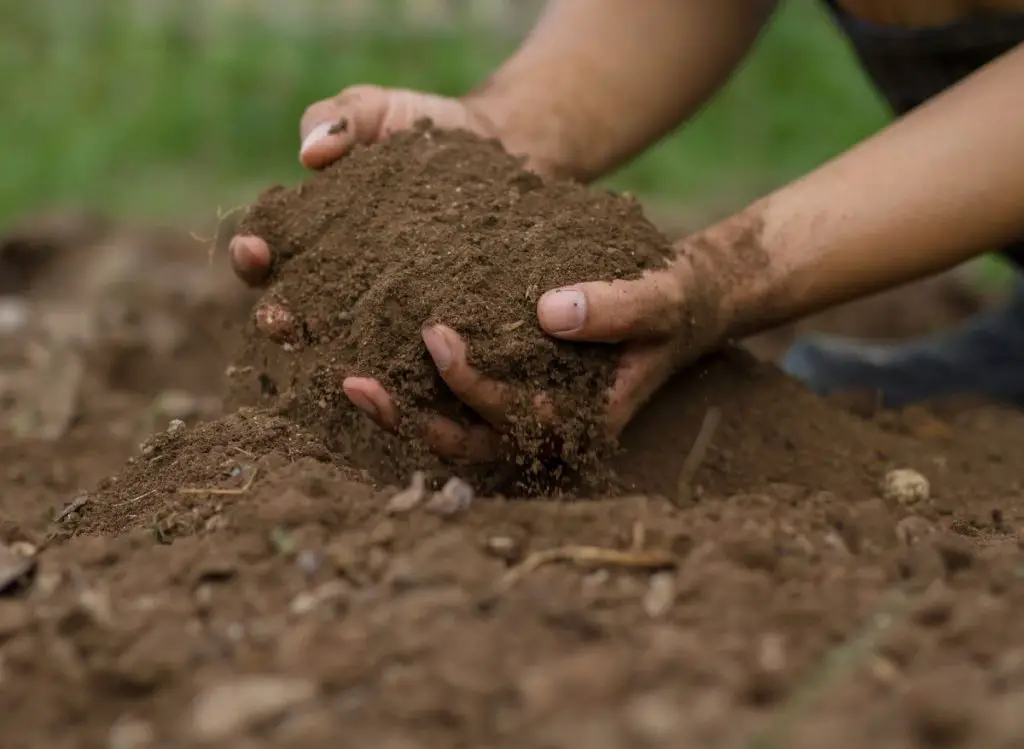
(13, 315)
(130, 733)
(15, 567)
(307, 601)
(410, 498)
(906, 486)
(224, 710)
(661, 594)
(504, 547)
(455, 496)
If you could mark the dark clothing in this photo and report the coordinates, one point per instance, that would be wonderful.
(984, 355)
(910, 66)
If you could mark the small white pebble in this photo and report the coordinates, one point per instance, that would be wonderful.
(175, 426)
(906, 486)
(13, 314)
(130, 733)
(455, 496)
(232, 707)
(660, 595)
(409, 499)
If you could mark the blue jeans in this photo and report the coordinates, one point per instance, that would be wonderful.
(982, 356)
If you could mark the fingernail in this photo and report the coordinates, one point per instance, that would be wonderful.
(563, 310)
(360, 401)
(317, 134)
(240, 253)
(438, 347)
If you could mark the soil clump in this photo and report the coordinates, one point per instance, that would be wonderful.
(435, 227)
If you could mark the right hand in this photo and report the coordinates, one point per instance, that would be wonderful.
(371, 114)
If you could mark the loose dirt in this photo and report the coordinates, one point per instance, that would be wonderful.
(440, 228)
(174, 574)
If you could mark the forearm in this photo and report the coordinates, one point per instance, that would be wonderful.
(600, 80)
(940, 186)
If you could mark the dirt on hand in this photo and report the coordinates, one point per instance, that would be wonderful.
(436, 227)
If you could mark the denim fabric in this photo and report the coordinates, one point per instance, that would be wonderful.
(982, 356)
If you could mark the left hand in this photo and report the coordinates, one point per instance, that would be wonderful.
(650, 318)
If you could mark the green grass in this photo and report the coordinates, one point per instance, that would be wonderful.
(103, 109)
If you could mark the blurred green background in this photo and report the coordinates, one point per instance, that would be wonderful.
(157, 109)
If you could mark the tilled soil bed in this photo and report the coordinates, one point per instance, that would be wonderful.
(172, 575)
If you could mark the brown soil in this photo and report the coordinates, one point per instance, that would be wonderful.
(440, 228)
(239, 583)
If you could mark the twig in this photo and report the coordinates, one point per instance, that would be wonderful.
(591, 556)
(696, 455)
(223, 492)
(76, 504)
(639, 539)
(243, 451)
(139, 498)
(211, 241)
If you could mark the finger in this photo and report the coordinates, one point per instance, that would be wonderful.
(250, 259)
(330, 128)
(442, 436)
(489, 398)
(611, 312)
(475, 444)
(641, 372)
(275, 322)
(369, 396)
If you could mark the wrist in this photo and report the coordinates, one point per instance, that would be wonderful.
(509, 111)
(729, 277)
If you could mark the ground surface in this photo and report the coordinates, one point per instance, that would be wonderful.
(234, 586)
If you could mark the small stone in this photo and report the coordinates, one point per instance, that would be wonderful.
(175, 426)
(906, 486)
(410, 498)
(455, 496)
(504, 547)
(130, 733)
(16, 568)
(307, 601)
(227, 709)
(309, 562)
(14, 315)
(883, 671)
(660, 595)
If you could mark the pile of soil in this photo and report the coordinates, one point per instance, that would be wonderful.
(439, 227)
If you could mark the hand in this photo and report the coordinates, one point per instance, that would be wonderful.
(371, 113)
(650, 317)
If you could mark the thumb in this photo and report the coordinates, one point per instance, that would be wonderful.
(611, 312)
(331, 127)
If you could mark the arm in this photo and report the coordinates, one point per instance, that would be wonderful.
(600, 80)
(936, 188)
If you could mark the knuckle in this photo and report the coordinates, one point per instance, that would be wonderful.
(317, 113)
(354, 95)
